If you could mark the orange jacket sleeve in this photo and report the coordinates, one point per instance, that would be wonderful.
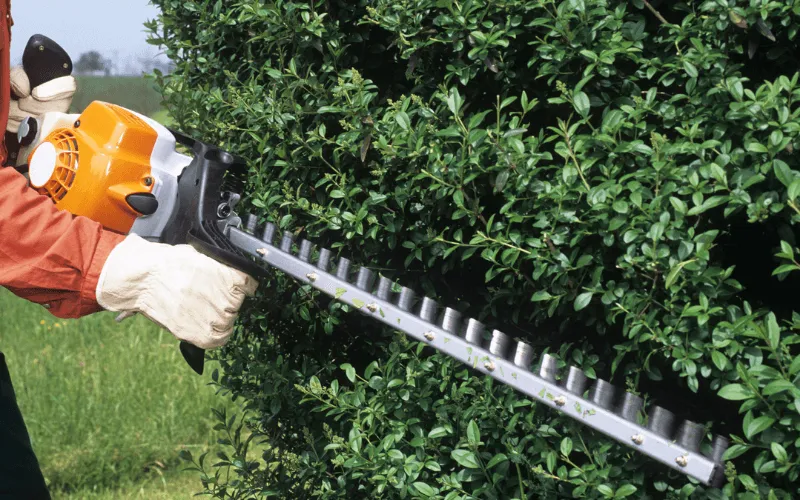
(47, 256)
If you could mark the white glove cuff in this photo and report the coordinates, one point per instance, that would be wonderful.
(56, 89)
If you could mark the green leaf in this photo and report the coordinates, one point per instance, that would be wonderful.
(779, 452)
(625, 490)
(583, 300)
(735, 392)
(783, 172)
(691, 70)
(719, 359)
(496, 460)
(437, 432)
(402, 119)
(473, 433)
(606, 490)
(465, 458)
(336, 193)
(678, 204)
(566, 446)
(581, 102)
(349, 371)
(735, 451)
(773, 331)
(540, 296)
(758, 425)
(424, 489)
(778, 386)
(757, 148)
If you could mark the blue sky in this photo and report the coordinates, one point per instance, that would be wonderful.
(83, 25)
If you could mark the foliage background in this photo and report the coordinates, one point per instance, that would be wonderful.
(611, 181)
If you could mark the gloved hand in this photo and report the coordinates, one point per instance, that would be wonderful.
(185, 292)
(54, 95)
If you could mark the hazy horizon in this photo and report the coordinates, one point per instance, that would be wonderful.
(113, 28)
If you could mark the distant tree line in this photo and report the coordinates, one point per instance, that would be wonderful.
(94, 63)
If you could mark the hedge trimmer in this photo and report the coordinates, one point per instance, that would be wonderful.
(125, 171)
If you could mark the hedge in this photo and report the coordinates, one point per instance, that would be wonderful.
(612, 182)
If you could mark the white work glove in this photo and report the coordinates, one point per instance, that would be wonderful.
(191, 295)
(55, 95)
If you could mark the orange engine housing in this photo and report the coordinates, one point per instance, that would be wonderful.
(96, 163)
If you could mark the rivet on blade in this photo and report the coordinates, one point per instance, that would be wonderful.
(312, 277)
(429, 336)
(372, 307)
(560, 401)
(682, 460)
(637, 439)
(489, 366)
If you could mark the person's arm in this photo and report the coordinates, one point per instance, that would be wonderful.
(48, 256)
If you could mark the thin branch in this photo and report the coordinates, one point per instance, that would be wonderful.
(656, 13)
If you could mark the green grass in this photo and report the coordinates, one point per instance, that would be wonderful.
(109, 406)
(132, 92)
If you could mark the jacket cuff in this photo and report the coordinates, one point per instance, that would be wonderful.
(88, 295)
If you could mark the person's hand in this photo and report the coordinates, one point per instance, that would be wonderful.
(54, 95)
(191, 295)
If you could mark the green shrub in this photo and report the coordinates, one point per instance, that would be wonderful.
(611, 181)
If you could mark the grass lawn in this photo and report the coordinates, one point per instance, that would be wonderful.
(109, 406)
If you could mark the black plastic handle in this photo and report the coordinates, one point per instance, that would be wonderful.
(45, 60)
(197, 219)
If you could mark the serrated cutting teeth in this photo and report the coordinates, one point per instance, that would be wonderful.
(306, 248)
(661, 422)
(548, 368)
(365, 279)
(384, 288)
(499, 343)
(523, 356)
(602, 394)
(450, 319)
(473, 333)
(427, 310)
(269, 233)
(250, 224)
(405, 299)
(718, 448)
(324, 261)
(576, 381)
(690, 435)
(600, 405)
(343, 269)
(630, 407)
(286, 242)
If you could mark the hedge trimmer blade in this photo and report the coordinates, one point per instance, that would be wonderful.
(601, 406)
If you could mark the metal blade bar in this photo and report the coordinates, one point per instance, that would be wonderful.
(587, 411)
